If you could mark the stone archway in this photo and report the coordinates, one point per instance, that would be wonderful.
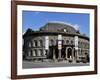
(69, 52)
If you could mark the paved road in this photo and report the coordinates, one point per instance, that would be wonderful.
(30, 64)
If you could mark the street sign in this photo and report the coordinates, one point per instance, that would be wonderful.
(46, 42)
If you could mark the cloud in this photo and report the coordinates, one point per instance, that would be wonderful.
(76, 26)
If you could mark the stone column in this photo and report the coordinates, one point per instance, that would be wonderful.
(66, 53)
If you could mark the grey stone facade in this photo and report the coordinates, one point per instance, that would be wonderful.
(34, 44)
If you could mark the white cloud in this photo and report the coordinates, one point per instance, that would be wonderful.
(76, 26)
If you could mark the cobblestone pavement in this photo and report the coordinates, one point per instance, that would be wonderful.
(39, 64)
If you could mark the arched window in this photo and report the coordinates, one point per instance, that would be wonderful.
(29, 44)
(67, 41)
(71, 41)
(30, 53)
(35, 43)
(35, 52)
(40, 43)
(40, 52)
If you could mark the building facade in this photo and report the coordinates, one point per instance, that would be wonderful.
(56, 41)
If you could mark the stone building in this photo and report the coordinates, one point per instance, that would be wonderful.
(45, 44)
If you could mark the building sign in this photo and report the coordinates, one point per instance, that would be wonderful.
(59, 41)
(46, 42)
(76, 42)
(59, 37)
(60, 44)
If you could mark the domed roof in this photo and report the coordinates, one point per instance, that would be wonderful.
(58, 27)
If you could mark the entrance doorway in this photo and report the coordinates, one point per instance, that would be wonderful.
(53, 51)
(63, 52)
(69, 52)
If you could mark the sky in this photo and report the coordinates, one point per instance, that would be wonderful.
(37, 19)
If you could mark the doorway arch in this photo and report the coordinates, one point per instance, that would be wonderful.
(69, 52)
